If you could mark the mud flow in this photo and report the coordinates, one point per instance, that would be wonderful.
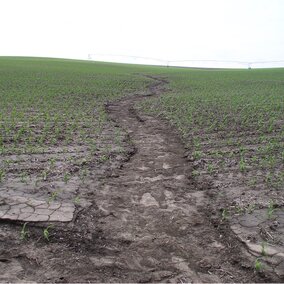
(141, 218)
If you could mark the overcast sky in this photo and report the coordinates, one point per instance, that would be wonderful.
(238, 30)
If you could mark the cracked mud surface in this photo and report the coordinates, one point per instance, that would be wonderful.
(146, 222)
(29, 209)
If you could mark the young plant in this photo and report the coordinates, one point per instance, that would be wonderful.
(225, 214)
(271, 209)
(83, 175)
(66, 177)
(44, 175)
(103, 158)
(263, 248)
(24, 176)
(2, 175)
(210, 168)
(242, 150)
(242, 165)
(77, 200)
(239, 210)
(197, 155)
(24, 232)
(258, 266)
(195, 173)
(52, 196)
(250, 208)
(46, 232)
(52, 163)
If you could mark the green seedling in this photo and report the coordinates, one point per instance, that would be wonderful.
(2, 175)
(46, 232)
(8, 162)
(258, 266)
(77, 200)
(242, 165)
(52, 162)
(271, 209)
(83, 175)
(210, 168)
(196, 143)
(242, 150)
(24, 234)
(24, 176)
(197, 155)
(231, 154)
(195, 173)
(263, 248)
(225, 214)
(254, 159)
(52, 196)
(44, 175)
(239, 210)
(103, 158)
(251, 208)
(66, 177)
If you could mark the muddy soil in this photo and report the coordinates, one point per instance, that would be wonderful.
(146, 221)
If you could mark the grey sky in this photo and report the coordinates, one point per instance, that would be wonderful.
(238, 30)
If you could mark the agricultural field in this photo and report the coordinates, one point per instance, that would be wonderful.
(54, 128)
(109, 171)
(232, 123)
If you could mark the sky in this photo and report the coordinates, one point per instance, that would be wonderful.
(171, 30)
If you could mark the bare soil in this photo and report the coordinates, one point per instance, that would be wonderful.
(143, 218)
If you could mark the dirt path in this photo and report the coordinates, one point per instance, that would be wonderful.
(155, 217)
(148, 222)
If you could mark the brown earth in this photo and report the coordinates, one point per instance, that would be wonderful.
(145, 221)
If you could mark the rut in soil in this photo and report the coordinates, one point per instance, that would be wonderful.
(156, 211)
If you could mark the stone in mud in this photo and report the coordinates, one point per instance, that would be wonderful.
(148, 200)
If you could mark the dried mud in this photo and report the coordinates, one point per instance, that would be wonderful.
(143, 218)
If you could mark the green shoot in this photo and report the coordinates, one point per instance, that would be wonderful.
(225, 214)
(66, 177)
(77, 200)
(263, 248)
(52, 197)
(46, 232)
(242, 165)
(24, 232)
(258, 266)
(2, 175)
(271, 209)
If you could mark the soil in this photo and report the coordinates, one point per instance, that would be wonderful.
(143, 219)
